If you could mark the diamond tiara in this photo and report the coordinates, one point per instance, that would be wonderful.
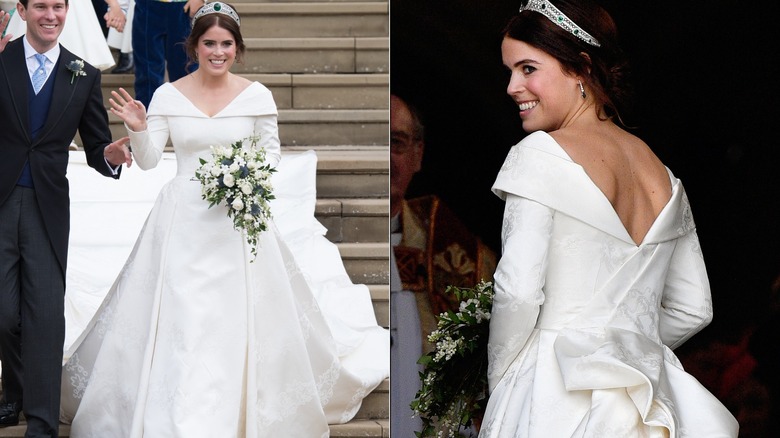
(555, 15)
(216, 8)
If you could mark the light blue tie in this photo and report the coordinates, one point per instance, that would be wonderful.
(39, 77)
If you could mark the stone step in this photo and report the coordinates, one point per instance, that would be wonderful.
(366, 263)
(357, 428)
(354, 220)
(380, 298)
(315, 127)
(320, 19)
(18, 431)
(327, 91)
(300, 91)
(380, 295)
(361, 429)
(316, 55)
(351, 171)
(370, 91)
(375, 404)
(371, 419)
(334, 127)
(347, 175)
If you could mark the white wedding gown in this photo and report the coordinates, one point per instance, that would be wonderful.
(193, 339)
(584, 320)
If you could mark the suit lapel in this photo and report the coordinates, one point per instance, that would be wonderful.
(18, 79)
(62, 93)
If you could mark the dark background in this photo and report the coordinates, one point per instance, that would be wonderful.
(707, 90)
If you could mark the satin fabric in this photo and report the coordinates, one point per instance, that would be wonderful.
(195, 340)
(585, 320)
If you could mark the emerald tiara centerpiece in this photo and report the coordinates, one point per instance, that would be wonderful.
(216, 8)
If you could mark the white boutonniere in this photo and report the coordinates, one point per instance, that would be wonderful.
(76, 68)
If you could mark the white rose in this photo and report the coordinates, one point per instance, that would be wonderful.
(228, 180)
(248, 218)
(237, 204)
(233, 167)
(246, 188)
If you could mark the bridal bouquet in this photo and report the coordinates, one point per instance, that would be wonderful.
(239, 178)
(454, 381)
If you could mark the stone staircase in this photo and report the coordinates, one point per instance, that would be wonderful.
(327, 65)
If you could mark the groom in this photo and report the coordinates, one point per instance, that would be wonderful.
(46, 95)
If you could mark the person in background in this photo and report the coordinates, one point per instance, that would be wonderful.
(159, 29)
(406, 152)
(432, 249)
(101, 7)
(120, 37)
(601, 274)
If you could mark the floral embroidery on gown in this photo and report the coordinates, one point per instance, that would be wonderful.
(193, 340)
(584, 320)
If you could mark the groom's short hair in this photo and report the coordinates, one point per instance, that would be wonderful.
(24, 3)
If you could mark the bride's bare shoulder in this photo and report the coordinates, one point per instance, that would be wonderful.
(242, 81)
(184, 84)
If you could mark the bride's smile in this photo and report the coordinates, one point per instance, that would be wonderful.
(218, 49)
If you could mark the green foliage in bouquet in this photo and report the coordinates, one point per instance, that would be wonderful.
(239, 178)
(454, 381)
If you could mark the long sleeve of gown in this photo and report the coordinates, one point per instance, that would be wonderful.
(519, 279)
(148, 145)
(254, 110)
(686, 307)
(268, 130)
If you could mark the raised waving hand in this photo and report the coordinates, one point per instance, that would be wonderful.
(131, 111)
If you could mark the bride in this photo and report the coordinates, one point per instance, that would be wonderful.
(197, 337)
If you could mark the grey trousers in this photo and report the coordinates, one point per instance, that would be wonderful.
(32, 314)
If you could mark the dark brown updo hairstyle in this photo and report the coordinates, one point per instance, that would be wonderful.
(205, 23)
(606, 74)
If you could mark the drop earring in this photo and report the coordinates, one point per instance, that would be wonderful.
(582, 89)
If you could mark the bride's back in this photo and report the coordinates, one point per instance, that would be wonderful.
(624, 168)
